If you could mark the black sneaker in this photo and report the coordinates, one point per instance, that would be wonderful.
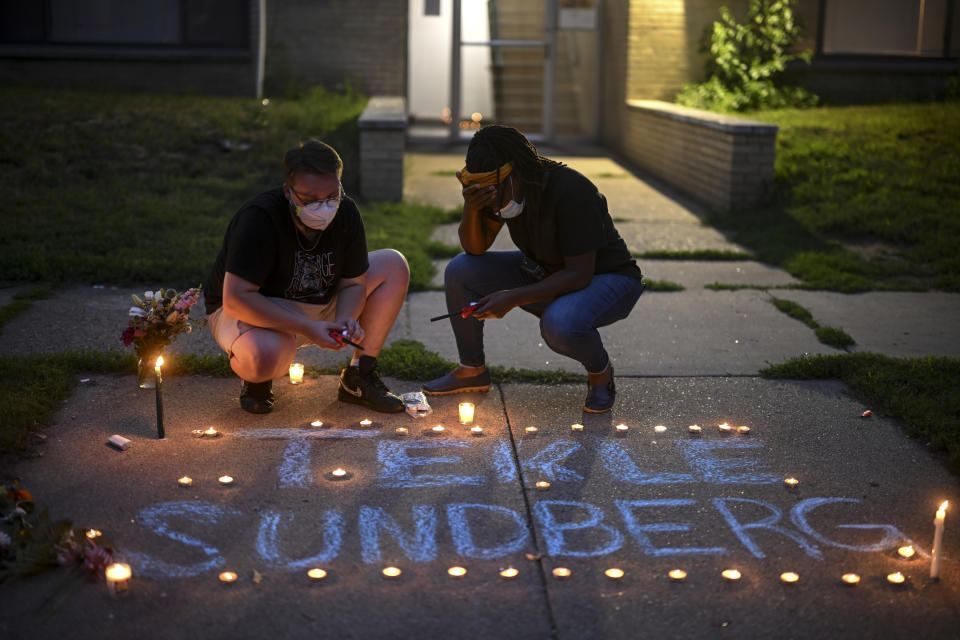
(368, 391)
(257, 397)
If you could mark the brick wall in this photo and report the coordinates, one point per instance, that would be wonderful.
(313, 42)
(726, 162)
(382, 144)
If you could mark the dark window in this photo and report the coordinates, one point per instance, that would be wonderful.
(164, 23)
(886, 27)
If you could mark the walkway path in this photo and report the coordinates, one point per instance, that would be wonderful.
(646, 500)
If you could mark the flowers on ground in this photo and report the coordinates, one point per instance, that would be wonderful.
(159, 317)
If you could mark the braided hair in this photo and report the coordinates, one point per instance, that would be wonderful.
(494, 145)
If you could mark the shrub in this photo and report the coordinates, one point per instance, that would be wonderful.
(745, 60)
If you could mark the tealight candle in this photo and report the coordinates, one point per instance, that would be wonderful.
(542, 485)
(316, 574)
(614, 573)
(456, 572)
(724, 428)
(466, 412)
(622, 428)
(731, 575)
(391, 572)
(316, 424)
(694, 429)
(366, 423)
(225, 480)
(790, 483)
(118, 579)
(437, 429)
(402, 431)
(531, 430)
(659, 428)
(509, 573)
(678, 575)
(197, 433)
(851, 579)
(185, 481)
(296, 373)
(907, 552)
(789, 577)
(476, 430)
(743, 430)
(94, 533)
(228, 577)
(896, 578)
(210, 432)
(576, 427)
(339, 474)
(562, 573)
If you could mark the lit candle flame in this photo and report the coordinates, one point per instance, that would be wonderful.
(613, 573)
(622, 428)
(338, 472)
(228, 576)
(906, 552)
(791, 482)
(543, 485)
(659, 428)
(850, 578)
(509, 573)
(896, 578)
(789, 577)
(118, 572)
(531, 429)
(743, 429)
(317, 574)
(576, 427)
(678, 575)
(316, 423)
(159, 362)
(225, 479)
(392, 572)
(438, 428)
(476, 430)
(694, 429)
(366, 423)
(401, 431)
(562, 573)
(210, 432)
(942, 511)
(731, 575)
(185, 481)
(457, 572)
(94, 533)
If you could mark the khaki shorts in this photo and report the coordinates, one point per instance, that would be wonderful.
(226, 329)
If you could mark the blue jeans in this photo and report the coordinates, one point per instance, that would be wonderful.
(568, 323)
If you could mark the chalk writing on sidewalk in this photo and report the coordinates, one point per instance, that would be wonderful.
(661, 527)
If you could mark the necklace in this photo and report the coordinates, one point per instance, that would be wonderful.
(304, 247)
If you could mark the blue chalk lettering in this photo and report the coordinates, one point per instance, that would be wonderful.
(768, 523)
(616, 459)
(396, 466)
(158, 517)
(554, 531)
(503, 462)
(462, 533)
(892, 537)
(701, 457)
(268, 545)
(421, 546)
(639, 531)
(294, 471)
(549, 461)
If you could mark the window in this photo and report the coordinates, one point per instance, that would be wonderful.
(920, 28)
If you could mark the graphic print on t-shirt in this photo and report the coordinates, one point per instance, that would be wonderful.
(313, 274)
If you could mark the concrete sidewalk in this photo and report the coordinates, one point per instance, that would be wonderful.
(646, 500)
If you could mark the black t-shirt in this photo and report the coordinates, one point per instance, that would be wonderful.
(572, 219)
(262, 245)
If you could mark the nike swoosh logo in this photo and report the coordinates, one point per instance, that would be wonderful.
(358, 393)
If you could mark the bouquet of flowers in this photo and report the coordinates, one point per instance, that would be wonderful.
(157, 318)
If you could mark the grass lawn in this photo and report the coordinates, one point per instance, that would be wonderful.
(867, 197)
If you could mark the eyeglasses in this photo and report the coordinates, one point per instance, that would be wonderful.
(332, 201)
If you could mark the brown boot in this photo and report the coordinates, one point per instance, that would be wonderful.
(601, 391)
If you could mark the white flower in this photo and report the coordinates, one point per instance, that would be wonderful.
(137, 311)
(148, 295)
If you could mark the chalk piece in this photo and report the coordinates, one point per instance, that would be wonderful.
(118, 442)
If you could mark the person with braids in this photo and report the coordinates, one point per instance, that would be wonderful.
(573, 270)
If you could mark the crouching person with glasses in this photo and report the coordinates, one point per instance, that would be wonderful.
(294, 271)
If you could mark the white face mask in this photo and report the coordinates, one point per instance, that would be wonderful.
(317, 215)
(513, 208)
